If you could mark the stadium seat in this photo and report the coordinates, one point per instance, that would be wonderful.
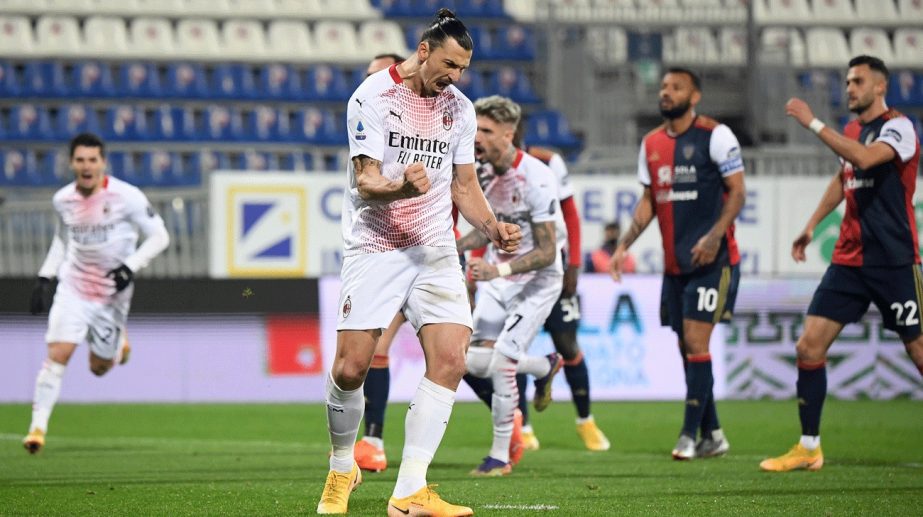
(233, 81)
(315, 126)
(479, 9)
(197, 38)
(608, 45)
(152, 37)
(206, 8)
(186, 81)
(908, 47)
(279, 82)
(74, 119)
(793, 12)
(44, 79)
(395, 8)
(105, 37)
(876, 11)
(124, 166)
(17, 36)
(525, 11)
(253, 8)
(733, 46)
(514, 42)
(25, 6)
(92, 79)
(828, 82)
(872, 42)
(327, 83)
(472, 85)
(549, 128)
(342, 9)
(58, 36)
(296, 161)
(513, 83)
(29, 122)
(252, 160)
(609, 10)
(222, 124)
(905, 89)
(206, 161)
(139, 80)
(484, 43)
(378, 35)
(68, 6)
(10, 80)
(834, 11)
(695, 45)
(661, 11)
(413, 33)
(290, 40)
(826, 47)
(786, 43)
(243, 39)
(173, 8)
(125, 122)
(169, 123)
(911, 12)
(116, 7)
(336, 41)
(266, 124)
(20, 169)
(160, 169)
(53, 169)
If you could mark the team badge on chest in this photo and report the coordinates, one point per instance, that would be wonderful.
(447, 120)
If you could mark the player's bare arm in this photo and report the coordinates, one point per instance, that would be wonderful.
(644, 214)
(473, 240)
(832, 198)
(469, 198)
(856, 153)
(706, 249)
(373, 186)
(542, 255)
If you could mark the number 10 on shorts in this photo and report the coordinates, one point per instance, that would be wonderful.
(708, 299)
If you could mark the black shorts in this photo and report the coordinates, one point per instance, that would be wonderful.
(707, 295)
(565, 315)
(845, 292)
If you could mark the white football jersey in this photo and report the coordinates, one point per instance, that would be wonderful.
(387, 121)
(527, 193)
(99, 233)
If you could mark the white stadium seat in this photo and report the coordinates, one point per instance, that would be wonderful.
(11, 7)
(872, 42)
(785, 42)
(105, 36)
(911, 11)
(243, 39)
(613, 10)
(123, 7)
(521, 10)
(908, 47)
(67, 6)
(160, 8)
(336, 41)
(826, 47)
(16, 36)
(608, 45)
(876, 11)
(381, 36)
(571, 10)
(197, 38)
(209, 8)
(835, 11)
(58, 35)
(342, 9)
(787, 11)
(251, 8)
(695, 45)
(152, 37)
(733, 45)
(290, 40)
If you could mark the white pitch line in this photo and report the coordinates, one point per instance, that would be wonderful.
(186, 442)
(532, 507)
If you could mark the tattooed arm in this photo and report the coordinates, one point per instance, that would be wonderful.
(542, 255)
(473, 240)
(373, 186)
(644, 214)
(469, 198)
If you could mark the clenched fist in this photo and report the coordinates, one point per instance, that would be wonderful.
(508, 237)
(416, 182)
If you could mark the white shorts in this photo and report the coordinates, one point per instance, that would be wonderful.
(73, 319)
(424, 282)
(511, 313)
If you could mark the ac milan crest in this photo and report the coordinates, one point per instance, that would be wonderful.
(447, 120)
(347, 307)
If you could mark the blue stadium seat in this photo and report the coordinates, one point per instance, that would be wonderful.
(186, 81)
(427, 8)
(483, 42)
(206, 160)
(170, 123)
(53, 168)
(326, 83)
(251, 160)
(824, 80)
(905, 88)
(280, 82)
(479, 9)
(296, 161)
(233, 81)
(514, 42)
(44, 79)
(93, 79)
(316, 126)
(357, 76)
(222, 124)
(10, 80)
(139, 80)
(513, 83)
(125, 122)
(397, 8)
(74, 119)
(162, 169)
(549, 128)
(266, 124)
(472, 85)
(413, 32)
(20, 169)
(124, 165)
(29, 122)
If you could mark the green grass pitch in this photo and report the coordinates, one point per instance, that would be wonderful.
(271, 460)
